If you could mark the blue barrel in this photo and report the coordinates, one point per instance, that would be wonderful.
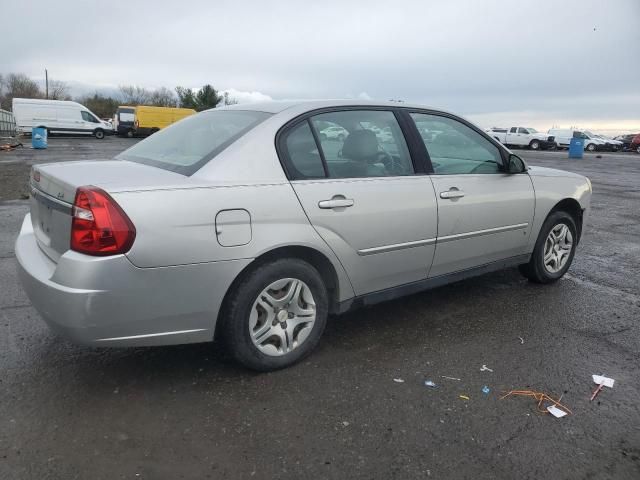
(576, 148)
(39, 137)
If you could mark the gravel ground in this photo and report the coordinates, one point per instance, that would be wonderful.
(189, 412)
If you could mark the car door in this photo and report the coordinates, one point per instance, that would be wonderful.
(364, 196)
(523, 136)
(484, 214)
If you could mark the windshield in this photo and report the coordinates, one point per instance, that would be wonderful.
(187, 145)
(532, 130)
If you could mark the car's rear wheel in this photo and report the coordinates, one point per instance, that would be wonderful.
(534, 145)
(275, 316)
(554, 249)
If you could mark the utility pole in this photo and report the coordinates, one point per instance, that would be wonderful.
(46, 81)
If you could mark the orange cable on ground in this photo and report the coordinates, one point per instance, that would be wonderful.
(541, 397)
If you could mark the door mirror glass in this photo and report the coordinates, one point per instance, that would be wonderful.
(516, 164)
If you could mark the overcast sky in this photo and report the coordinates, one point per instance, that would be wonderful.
(542, 63)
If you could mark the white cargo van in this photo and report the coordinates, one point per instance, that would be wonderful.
(591, 142)
(58, 116)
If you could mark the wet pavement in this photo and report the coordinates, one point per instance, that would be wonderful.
(189, 412)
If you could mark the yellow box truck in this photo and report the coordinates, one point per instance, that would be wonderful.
(143, 120)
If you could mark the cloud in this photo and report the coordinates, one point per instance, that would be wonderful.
(242, 96)
(572, 59)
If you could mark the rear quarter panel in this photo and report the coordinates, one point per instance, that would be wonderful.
(177, 226)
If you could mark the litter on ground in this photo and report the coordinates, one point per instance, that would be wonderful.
(450, 378)
(486, 390)
(541, 397)
(555, 411)
(464, 397)
(486, 369)
(398, 380)
(430, 383)
(601, 382)
(521, 340)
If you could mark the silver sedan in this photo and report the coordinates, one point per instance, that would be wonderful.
(249, 224)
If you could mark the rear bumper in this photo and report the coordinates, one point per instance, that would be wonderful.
(108, 301)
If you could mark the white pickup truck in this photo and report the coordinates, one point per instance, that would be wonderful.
(522, 137)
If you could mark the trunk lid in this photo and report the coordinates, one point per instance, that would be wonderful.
(53, 190)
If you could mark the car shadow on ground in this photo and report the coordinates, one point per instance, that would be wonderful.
(439, 316)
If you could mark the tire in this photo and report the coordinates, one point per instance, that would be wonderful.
(536, 270)
(130, 133)
(591, 147)
(253, 311)
(98, 133)
(638, 149)
(534, 145)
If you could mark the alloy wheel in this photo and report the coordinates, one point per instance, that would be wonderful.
(282, 317)
(557, 248)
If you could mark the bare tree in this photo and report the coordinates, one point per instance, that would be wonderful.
(227, 100)
(18, 85)
(134, 95)
(163, 97)
(58, 90)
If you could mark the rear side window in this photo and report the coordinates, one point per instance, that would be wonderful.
(190, 143)
(302, 154)
(346, 144)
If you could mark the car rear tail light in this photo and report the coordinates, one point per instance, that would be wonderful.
(99, 226)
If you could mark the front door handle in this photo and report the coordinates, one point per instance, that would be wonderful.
(338, 201)
(452, 193)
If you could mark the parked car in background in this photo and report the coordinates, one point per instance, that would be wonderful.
(244, 223)
(144, 120)
(608, 144)
(626, 140)
(522, 137)
(58, 116)
(591, 143)
(635, 144)
(334, 132)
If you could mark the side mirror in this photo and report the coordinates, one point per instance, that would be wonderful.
(516, 164)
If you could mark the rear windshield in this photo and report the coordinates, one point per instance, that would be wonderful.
(187, 145)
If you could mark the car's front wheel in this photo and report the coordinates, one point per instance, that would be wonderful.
(534, 145)
(591, 147)
(275, 316)
(98, 133)
(554, 249)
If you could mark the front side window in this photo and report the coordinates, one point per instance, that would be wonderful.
(522, 130)
(455, 148)
(188, 144)
(362, 143)
(87, 117)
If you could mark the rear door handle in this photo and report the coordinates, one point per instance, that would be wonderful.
(338, 201)
(453, 193)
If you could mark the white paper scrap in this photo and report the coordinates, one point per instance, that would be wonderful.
(600, 380)
(556, 412)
